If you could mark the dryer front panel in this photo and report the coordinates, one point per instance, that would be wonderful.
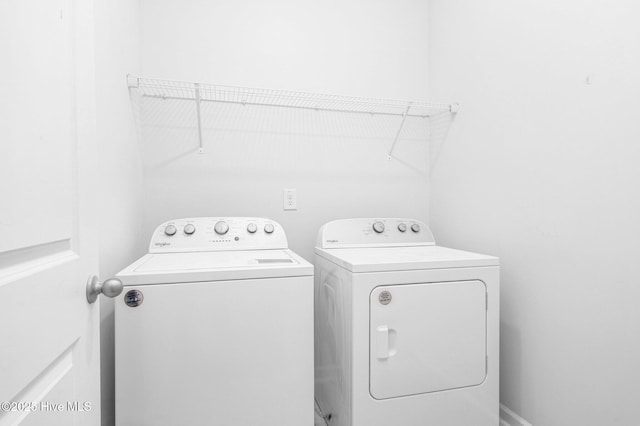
(427, 337)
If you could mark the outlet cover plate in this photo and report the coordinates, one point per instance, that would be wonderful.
(289, 199)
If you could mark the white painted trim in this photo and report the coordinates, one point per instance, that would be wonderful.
(509, 418)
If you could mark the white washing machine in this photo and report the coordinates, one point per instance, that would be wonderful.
(215, 327)
(406, 331)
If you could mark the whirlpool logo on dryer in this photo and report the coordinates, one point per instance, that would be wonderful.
(162, 244)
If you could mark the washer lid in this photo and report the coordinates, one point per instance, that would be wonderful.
(380, 259)
(162, 268)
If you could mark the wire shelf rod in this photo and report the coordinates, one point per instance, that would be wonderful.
(268, 97)
(310, 108)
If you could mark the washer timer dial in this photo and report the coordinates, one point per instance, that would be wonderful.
(170, 230)
(221, 227)
(378, 227)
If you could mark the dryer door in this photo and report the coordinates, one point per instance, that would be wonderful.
(427, 337)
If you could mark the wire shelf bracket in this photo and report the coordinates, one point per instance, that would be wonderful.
(395, 140)
(199, 117)
(201, 92)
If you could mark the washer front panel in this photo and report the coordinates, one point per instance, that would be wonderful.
(226, 353)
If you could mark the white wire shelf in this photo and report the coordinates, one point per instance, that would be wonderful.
(201, 92)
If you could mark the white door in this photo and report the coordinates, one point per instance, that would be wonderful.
(427, 337)
(49, 349)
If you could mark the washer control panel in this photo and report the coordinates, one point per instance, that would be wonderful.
(374, 232)
(217, 233)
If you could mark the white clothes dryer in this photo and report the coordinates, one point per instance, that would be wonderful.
(215, 327)
(407, 332)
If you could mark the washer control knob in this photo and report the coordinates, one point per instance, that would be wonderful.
(268, 228)
(252, 228)
(378, 227)
(170, 230)
(415, 227)
(189, 229)
(221, 227)
(402, 227)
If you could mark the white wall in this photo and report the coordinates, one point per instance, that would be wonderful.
(541, 168)
(117, 37)
(355, 48)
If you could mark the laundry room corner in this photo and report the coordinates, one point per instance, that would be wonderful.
(541, 169)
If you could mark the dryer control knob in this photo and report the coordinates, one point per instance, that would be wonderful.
(415, 227)
(170, 230)
(221, 227)
(268, 228)
(189, 229)
(402, 227)
(252, 228)
(378, 227)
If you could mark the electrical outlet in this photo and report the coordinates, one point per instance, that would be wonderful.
(290, 199)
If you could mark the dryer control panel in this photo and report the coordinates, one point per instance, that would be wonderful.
(374, 232)
(217, 233)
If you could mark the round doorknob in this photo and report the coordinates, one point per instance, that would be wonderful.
(110, 288)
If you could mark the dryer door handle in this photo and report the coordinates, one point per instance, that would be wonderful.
(382, 339)
(385, 342)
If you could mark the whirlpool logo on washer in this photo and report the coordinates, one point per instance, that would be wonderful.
(133, 298)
